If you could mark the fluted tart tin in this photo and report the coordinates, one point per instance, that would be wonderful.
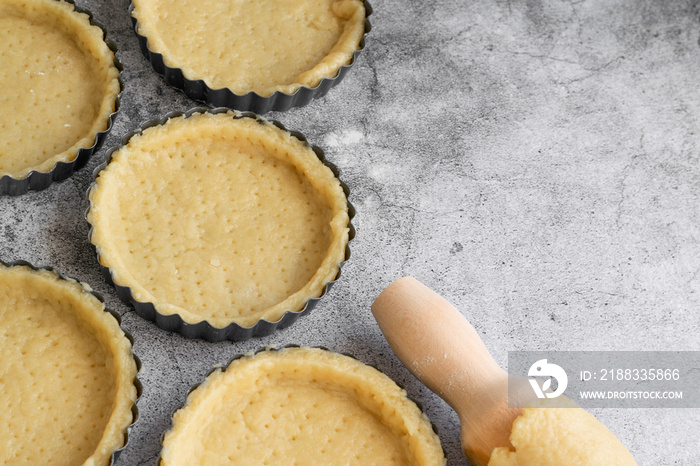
(219, 225)
(64, 128)
(201, 88)
(299, 405)
(70, 370)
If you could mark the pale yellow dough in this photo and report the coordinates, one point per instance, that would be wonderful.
(547, 435)
(220, 218)
(66, 372)
(261, 46)
(58, 84)
(302, 406)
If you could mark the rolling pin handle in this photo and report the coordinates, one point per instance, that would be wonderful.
(441, 348)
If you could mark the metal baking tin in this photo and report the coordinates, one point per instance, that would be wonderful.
(35, 180)
(278, 348)
(224, 97)
(204, 329)
(137, 382)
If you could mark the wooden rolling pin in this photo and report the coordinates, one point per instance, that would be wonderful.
(441, 348)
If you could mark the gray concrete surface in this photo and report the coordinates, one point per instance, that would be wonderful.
(536, 162)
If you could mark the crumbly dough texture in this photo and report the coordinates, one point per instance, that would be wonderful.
(300, 406)
(66, 372)
(58, 84)
(261, 46)
(220, 218)
(556, 432)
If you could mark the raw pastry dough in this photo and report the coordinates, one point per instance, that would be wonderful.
(220, 218)
(300, 406)
(261, 46)
(66, 372)
(547, 435)
(58, 84)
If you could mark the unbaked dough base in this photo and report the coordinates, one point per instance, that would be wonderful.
(58, 84)
(220, 218)
(66, 372)
(300, 406)
(261, 46)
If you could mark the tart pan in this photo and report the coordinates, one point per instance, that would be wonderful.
(137, 383)
(251, 354)
(204, 329)
(36, 180)
(224, 97)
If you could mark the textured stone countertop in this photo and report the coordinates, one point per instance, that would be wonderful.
(537, 162)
